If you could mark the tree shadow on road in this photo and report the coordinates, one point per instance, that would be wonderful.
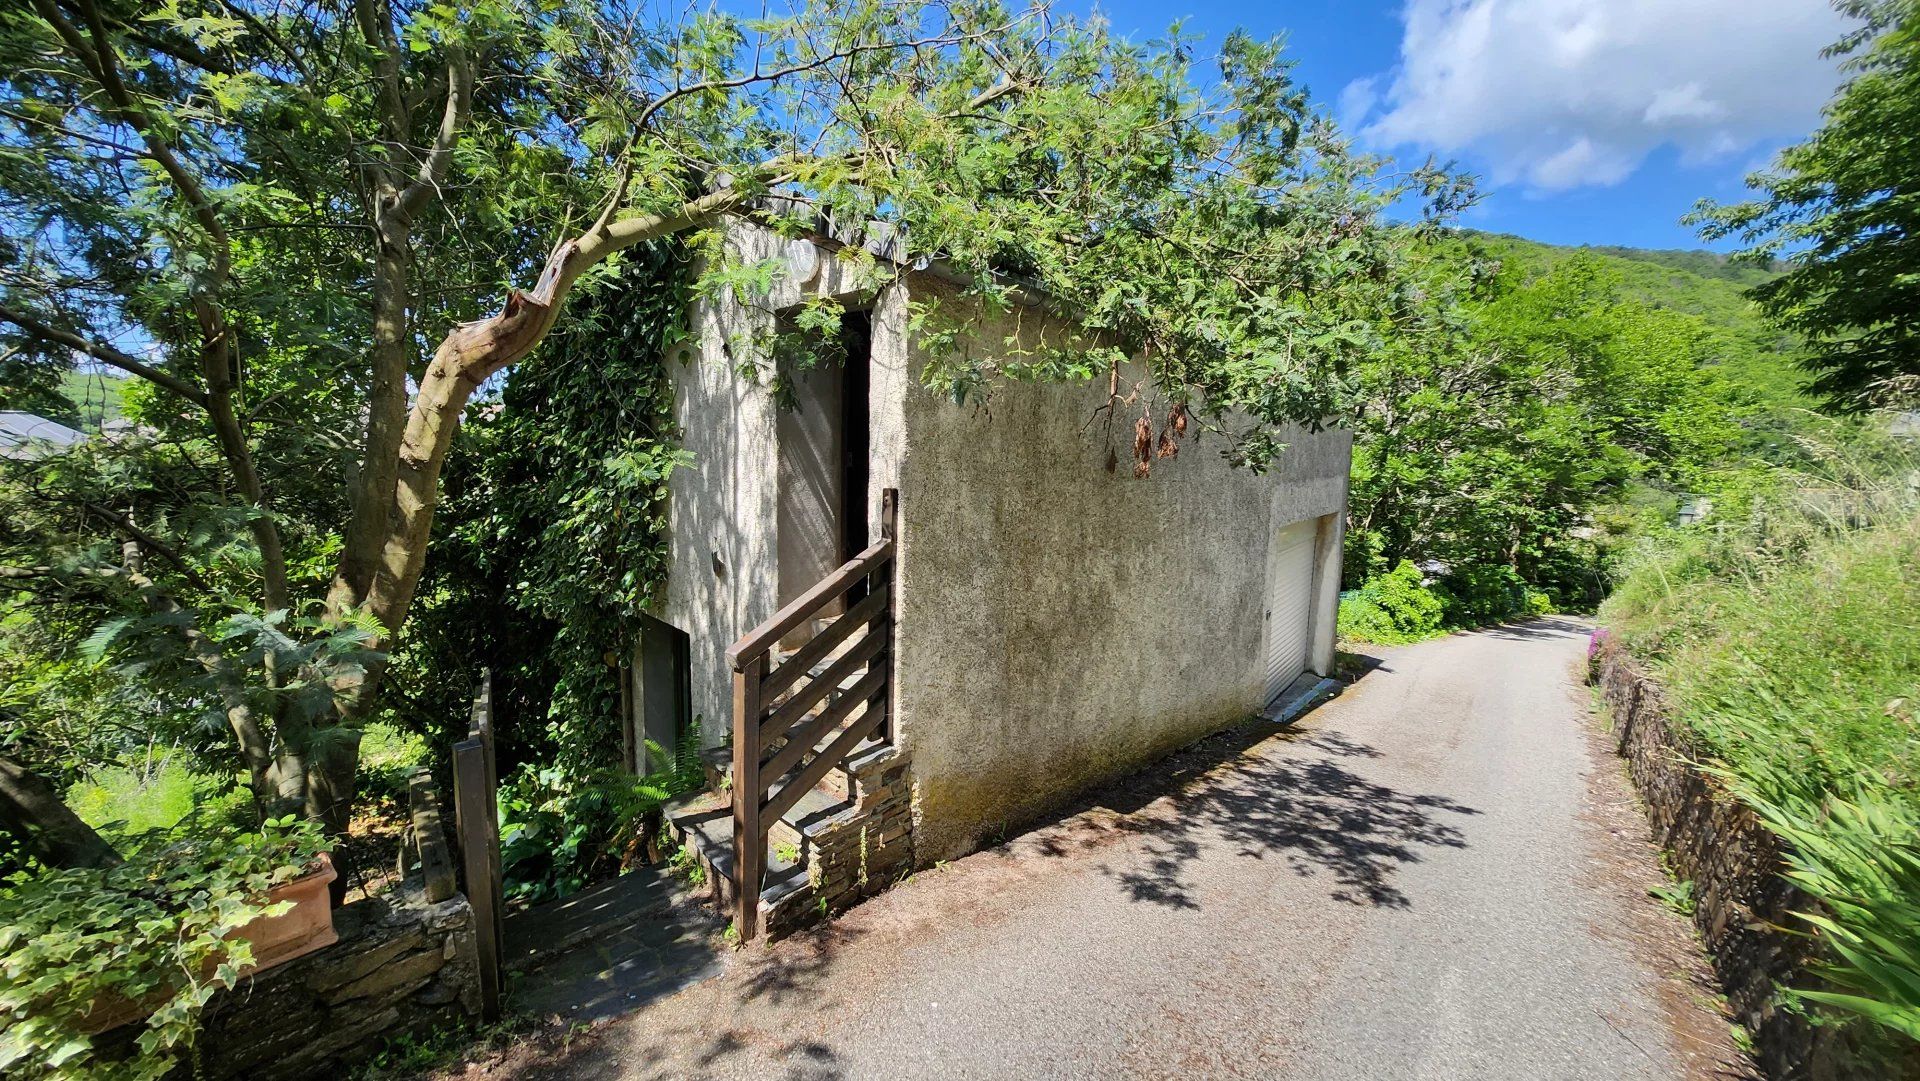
(1296, 801)
(1539, 629)
(722, 1044)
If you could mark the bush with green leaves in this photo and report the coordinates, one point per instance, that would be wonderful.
(1477, 596)
(153, 931)
(559, 833)
(1392, 608)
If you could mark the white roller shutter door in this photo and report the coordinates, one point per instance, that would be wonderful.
(1289, 605)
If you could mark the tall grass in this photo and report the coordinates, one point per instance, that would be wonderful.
(1788, 640)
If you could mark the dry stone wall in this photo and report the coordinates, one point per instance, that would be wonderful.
(862, 854)
(402, 965)
(1734, 863)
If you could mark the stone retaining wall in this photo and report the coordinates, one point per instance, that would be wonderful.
(1734, 864)
(862, 855)
(402, 965)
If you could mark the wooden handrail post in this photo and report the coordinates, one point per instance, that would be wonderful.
(889, 532)
(749, 839)
(479, 854)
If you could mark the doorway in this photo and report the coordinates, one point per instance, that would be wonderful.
(823, 431)
(856, 334)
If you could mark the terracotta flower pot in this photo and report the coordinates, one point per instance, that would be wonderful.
(302, 929)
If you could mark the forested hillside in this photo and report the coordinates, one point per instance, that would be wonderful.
(1561, 403)
(1696, 282)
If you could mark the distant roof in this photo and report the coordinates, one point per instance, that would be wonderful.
(22, 435)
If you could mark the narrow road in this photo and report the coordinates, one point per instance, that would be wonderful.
(1439, 875)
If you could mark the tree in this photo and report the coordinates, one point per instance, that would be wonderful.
(1526, 399)
(1843, 211)
(252, 206)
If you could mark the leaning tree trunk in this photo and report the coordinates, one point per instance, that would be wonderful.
(34, 813)
(380, 574)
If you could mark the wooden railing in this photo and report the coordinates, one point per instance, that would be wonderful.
(783, 710)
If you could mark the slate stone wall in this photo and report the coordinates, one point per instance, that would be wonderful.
(868, 850)
(1734, 863)
(402, 965)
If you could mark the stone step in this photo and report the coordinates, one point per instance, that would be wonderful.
(840, 782)
(534, 935)
(705, 826)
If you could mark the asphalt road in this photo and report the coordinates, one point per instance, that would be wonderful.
(1438, 875)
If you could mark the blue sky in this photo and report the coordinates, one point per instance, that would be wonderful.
(1588, 121)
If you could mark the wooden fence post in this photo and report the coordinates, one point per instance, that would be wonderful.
(889, 531)
(430, 838)
(482, 730)
(479, 831)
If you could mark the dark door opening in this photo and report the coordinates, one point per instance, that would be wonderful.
(856, 332)
(662, 692)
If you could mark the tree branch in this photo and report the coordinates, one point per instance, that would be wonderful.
(148, 541)
(433, 169)
(105, 354)
(102, 60)
(32, 810)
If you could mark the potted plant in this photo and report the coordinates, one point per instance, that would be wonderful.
(83, 950)
(305, 925)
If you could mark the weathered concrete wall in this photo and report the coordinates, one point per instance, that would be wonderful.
(1061, 624)
(726, 512)
(401, 966)
(1741, 902)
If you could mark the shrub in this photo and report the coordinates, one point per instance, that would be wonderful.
(1787, 645)
(152, 931)
(1392, 608)
(1860, 859)
(559, 834)
(1477, 596)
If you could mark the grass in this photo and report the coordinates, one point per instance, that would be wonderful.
(138, 797)
(160, 791)
(1788, 642)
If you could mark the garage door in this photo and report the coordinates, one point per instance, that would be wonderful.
(1289, 605)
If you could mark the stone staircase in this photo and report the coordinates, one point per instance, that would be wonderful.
(847, 837)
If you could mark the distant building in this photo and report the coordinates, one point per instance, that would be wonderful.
(1693, 508)
(28, 435)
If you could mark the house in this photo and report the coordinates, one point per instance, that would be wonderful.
(1693, 508)
(29, 435)
(908, 625)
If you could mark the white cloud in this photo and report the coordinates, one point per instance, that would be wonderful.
(1564, 93)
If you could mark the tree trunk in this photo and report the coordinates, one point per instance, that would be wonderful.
(33, 812)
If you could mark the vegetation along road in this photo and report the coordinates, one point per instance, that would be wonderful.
(1438, 875)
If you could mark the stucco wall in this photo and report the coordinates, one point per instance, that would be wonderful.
(1060, 624)
(723, 576)
(725, 512)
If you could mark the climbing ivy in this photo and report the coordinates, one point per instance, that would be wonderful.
(552, 538)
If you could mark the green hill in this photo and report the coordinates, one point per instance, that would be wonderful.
(97, 396)
(1759, 359)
